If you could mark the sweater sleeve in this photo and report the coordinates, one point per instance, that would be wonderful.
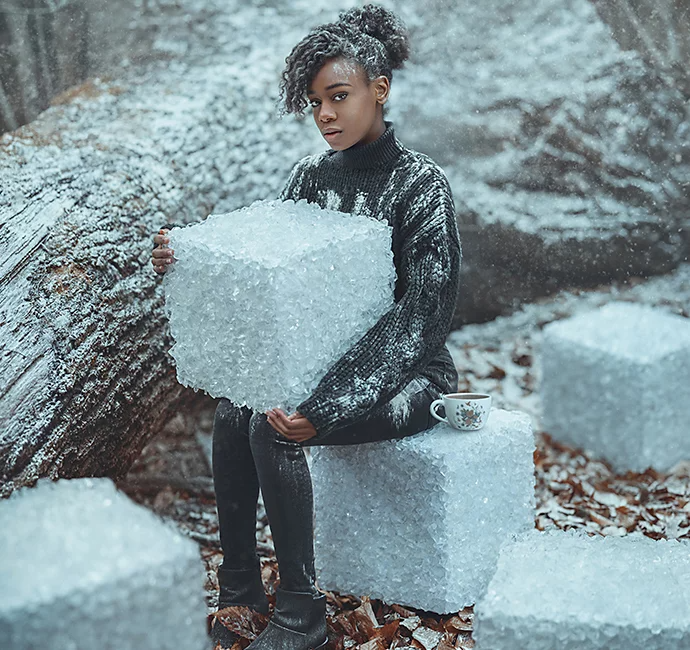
(408, 336)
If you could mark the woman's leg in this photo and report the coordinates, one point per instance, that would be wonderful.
(236, 485)
(237, 490)
(299, 617)
(286, 488)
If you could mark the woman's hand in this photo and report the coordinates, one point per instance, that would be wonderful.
(161, 257)
(295, 427)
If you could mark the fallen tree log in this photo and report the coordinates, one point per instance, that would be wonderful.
(85, 378)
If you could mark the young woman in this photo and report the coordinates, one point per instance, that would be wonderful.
(383, 386)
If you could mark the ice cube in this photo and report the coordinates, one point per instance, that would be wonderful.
(569, 591)
(263, 300)
(419, 521)
(82, 566)
(616, 381)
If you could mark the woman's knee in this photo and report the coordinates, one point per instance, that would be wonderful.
(230, 418)
(261, 432)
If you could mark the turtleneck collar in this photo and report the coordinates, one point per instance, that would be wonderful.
(374, 154)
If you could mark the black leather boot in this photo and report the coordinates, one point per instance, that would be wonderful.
(242, 587)
(298, 623)
(238, 587)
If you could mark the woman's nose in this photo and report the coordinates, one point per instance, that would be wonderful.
(326, 113)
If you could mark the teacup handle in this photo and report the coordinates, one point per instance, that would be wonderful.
(432, 410)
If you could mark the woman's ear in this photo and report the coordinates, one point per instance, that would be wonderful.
(382, 86)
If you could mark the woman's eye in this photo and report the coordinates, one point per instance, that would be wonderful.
(314, 103)
(340, 95)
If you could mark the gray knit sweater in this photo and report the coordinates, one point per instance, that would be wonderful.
(409, 191)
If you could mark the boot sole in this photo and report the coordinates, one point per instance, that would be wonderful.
(287, 629)
(319, 647)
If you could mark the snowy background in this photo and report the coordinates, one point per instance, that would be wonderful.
(562, 125)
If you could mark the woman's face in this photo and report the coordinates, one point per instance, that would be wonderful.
(347, 107)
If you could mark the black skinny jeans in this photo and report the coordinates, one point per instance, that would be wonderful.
(248, 454)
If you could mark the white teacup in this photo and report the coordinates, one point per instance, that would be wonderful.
(464, 411)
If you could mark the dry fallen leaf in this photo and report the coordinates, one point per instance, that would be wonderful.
(459, 624)
(496, 372)
(347, 626)
(364, 618)
(427, 637)
(403, 611)
(447, 642)
(374, 644)
(387, 631)
(241, 620)
(411, 623)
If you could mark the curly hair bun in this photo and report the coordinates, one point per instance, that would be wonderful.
(383, 25)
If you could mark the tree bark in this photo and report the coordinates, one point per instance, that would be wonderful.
(85, 378)
(658, 29)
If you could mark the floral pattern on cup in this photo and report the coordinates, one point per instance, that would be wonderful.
(469, 414)
(464, 411)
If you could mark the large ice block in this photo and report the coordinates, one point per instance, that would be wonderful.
(263, 300)
(419, 521)
(84, 567)
(569, 591)
(616, 381)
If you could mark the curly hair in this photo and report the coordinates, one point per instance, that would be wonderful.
(371, 36)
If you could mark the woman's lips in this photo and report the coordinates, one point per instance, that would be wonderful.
(330, 136)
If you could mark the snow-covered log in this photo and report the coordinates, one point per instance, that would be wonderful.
(85, 379)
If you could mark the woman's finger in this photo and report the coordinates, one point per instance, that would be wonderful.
(278, 426)
(293, 430)
(278, 420)
(280, 416)
(296, 425)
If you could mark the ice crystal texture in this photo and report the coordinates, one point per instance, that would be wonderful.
(569, 591)
(263, 300)
(616, 381)
(82, 566)
(419, 521)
